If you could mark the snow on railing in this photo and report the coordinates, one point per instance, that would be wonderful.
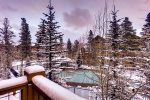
(13, 82)
(34, 69)
(13, 85)
(54, 91)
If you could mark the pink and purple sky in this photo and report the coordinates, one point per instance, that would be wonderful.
(76, 17)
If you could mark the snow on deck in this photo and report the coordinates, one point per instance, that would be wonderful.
(13, 82)
(53, 90)
(34, 69)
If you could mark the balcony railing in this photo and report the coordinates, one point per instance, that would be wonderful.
(34, 86)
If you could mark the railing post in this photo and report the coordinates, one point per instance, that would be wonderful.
(24, 93)
(32, 94)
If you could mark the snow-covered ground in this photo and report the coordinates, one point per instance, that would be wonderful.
(135, 79)
(86, 92)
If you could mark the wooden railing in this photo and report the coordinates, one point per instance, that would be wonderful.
(12, 85)
(34, 86)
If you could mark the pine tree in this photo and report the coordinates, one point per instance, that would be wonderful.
(146, 34)
(41, 40)
(129, 38)
(90, 37)
(61, 44)
(146, 45)
(147, 25)
(6, 40)
(75, 47)
(83, 55)
(69, 48)
(114, 37)
(114, 31)
(25, 41)
(79, 61)
(53, 37)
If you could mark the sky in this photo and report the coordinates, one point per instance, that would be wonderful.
(76, 17)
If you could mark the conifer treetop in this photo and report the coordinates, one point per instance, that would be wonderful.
(147, 21)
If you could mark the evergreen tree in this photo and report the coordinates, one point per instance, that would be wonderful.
(83, 55)
(114, 31)
(53, 37)
(69, 48)
(61, 44)
(75, 47)
(129, 38)
(147, 25)
(127, 27)
(146, 34)
(114, 37)
(41, 40)
(78, 61)
(6, 40)
(25, 41)
(146, 44)
(90, 37)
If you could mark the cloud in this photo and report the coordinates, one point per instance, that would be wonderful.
(9, 8)
(22, 6)
(78, 18)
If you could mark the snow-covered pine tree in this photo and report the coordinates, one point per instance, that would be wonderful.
(146, 41)
(69, 48)
(147, 21)
(90, 37)
(53, 37)
(79, 61)
(130, 44)
(130, 41)
(114, 37)
(146, 35)
(25, 42)
(6, 36)
(41, 40)
(61, 47)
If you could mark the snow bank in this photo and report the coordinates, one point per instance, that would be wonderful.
(63, 59)
(54, 91)
(134, 75)
(13, 82)
(16, 63)
(34, 69)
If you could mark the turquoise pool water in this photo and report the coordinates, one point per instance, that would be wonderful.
(80, 76)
